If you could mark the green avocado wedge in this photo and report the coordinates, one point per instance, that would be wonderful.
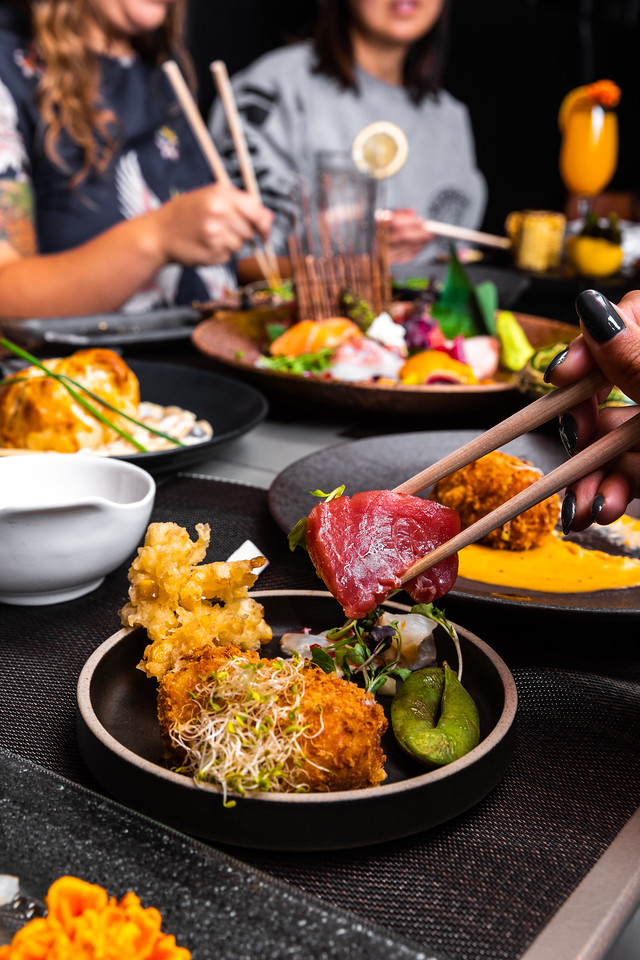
(434, 718)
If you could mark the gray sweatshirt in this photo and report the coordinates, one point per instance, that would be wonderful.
(290, 113)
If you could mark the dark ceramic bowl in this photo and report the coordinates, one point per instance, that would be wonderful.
(120, 742)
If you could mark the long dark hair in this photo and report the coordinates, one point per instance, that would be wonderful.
(423, 67)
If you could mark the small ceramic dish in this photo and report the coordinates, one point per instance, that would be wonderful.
(66, 522)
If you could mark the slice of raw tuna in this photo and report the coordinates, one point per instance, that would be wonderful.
(362, 545)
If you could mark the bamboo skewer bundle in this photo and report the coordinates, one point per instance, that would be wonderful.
(338, 245)
(327, 259)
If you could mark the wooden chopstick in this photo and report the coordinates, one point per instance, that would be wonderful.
(202, 135)
(463, 233)
(531, 416)
(221, 77)
(592, 457)
(200, 131)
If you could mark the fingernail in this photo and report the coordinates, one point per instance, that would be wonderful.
(557, 360)
(596, 506)
(568, 511)
(568, 433)
(599, 316)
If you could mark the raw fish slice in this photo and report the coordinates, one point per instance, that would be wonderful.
(362, 545)
(309, 336)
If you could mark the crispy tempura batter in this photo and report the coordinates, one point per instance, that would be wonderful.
(480, 487)
(170, 596)
(327, 730)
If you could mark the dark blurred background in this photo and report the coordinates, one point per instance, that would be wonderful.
(510, 61)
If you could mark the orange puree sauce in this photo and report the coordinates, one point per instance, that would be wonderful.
(556, 566)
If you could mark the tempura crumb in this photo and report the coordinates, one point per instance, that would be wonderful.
(171, 595)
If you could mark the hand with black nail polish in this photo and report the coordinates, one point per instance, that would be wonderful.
(609, 339)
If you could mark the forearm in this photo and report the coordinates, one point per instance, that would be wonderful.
(98, 276)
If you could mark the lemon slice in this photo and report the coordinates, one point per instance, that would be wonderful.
(380, 149)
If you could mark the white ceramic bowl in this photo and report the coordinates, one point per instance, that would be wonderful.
(67, 520)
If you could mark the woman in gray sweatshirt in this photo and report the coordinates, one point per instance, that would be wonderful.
(371, 62)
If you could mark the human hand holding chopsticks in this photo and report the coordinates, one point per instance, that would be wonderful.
(209, 225)
(223, 186)
(408, 233)
(610, 341)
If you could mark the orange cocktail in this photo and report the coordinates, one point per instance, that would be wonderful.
(589, 149)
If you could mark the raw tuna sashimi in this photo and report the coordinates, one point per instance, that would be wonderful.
(362, 545)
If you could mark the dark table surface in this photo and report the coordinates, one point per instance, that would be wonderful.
(481, 886)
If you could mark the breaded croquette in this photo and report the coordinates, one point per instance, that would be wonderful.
(246, 724)
(485, 484)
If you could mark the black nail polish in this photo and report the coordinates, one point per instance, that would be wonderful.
(568, 511)
(557, 360)
(568, 433)
(599, 316)
(597, 505)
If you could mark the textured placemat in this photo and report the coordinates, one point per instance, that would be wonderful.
(479, 887)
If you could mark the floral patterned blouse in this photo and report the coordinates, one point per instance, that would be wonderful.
(157, 157)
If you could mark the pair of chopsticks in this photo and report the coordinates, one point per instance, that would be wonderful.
(540, 411)
(440, 229)
(267, 260)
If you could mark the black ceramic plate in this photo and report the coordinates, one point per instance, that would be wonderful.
(381, 463)
(106, 329)
(232, 408)
(120, 743)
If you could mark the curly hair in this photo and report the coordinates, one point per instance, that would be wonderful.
(68, 88)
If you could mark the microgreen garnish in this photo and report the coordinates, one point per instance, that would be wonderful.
(298, 534)
(65, 381)
(433, 613)
(357, 650)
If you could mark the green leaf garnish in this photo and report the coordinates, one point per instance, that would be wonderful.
(462, 308)
(298, 535)
(321, 658)
(304, 363)
(337, 492)
(433, 613)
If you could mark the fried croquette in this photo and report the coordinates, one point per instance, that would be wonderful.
(485, 484)
(171, 594)
(246, 723)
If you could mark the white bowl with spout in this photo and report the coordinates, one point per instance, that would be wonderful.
(66, 521)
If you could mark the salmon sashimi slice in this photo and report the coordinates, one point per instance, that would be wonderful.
(362, 545)
(309, 336)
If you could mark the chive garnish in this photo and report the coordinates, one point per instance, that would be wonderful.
(64, 380)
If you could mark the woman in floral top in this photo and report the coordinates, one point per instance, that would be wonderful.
(106, 201)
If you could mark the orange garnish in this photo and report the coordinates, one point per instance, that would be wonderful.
(605, 92)
(84, 923)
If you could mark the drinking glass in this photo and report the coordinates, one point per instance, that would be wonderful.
(589, 151)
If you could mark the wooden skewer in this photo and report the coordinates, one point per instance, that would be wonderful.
(202, 135)
(221, 77)
(531, 416)
(596, 455)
